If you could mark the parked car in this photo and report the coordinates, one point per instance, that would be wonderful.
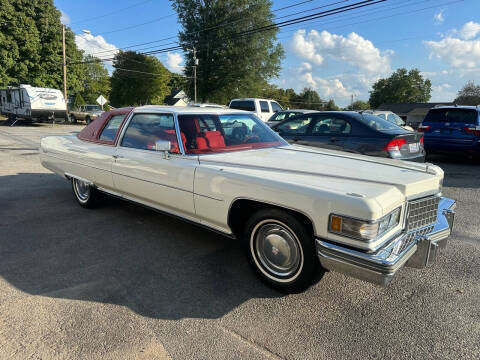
(452, 129)
(286, 114)
(262, 108)
(293, 207)
(353, 132)
(389, 116)
(86, 112)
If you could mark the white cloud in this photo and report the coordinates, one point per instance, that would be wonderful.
(174, 62)
(439, 17)
(443, 92)
(458, 52)
(469, 31)
(64, 18)
(352, 49)
(95, 45)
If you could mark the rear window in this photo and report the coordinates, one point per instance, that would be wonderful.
(246, 105)
(377, 123)
(466, 116)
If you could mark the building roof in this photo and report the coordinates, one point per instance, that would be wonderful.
(403, 109)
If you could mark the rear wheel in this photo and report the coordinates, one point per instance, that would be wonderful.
(73, 119)
(85, 194)
(281, 250)
(88, 120)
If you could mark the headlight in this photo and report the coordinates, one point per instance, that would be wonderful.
(363, 229)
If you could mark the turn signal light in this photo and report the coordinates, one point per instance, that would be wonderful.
(472, 130)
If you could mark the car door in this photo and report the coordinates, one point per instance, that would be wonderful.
(295, 130)
(149, 176)
(328, 131)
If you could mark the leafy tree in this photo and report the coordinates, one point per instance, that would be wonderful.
(96, 81)
(331, 106)
(469, 95)
(308, 99)
(358, 105)
(231, 64)
(177, 81)
(78, 101)
(31, 46)
(138, 80)
(402, 86)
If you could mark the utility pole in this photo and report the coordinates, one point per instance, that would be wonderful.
(64, 72)
(195, 62)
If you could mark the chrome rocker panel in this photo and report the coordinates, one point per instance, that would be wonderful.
(380, 267)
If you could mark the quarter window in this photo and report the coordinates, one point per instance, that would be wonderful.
(110, 130)
(295, 126)
(275, 106)
(144, 130)
(264, 106)
(331, 126)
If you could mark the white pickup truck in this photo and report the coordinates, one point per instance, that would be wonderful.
(262, 108)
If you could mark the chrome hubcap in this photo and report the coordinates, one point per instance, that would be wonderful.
(82, 189)
(277, 249)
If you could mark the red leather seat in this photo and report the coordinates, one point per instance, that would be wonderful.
(215, 139)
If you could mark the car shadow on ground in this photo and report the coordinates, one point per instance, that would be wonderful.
(120, 253)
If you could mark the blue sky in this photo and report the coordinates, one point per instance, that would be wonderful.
(339, 56)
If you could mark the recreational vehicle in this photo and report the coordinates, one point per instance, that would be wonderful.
(28, 102)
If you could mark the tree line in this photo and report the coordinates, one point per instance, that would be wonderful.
(232, 60)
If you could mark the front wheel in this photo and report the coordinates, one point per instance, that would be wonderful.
(281, 250)
(85, 194)
(73, 119)
(88, 120)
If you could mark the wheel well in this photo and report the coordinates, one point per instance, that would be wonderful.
(242, 209)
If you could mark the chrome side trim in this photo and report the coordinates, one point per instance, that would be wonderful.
(71, 176)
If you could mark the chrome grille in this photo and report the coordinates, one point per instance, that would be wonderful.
(422, 212)
(421, 218)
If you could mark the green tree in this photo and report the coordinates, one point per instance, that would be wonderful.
(31, 46)
(331, 106)
(138, 80)
(232, 63)
(358, 105)
(308, 99)
(96, 81)
(78, 101)
(402, 86)
(469, 95)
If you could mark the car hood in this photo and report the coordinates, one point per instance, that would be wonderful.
(336, 171)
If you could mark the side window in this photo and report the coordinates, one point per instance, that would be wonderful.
(145, 129)
(246, 105)
(9, 96)
(295, 126)
(382, 116)
(264, 106)
(331, 126)
(275, 106)
(109, 132)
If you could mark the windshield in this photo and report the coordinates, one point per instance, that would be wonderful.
(93, 108)
(377, 123)
(394, 118)
(202, 133)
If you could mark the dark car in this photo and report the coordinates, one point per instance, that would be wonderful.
(452, 129)
(286, 114)
(353, 132)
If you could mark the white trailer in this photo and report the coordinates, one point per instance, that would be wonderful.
(28, 102)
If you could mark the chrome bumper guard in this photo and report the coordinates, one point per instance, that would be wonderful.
(381, 266)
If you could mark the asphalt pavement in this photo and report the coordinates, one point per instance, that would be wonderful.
(124, 282)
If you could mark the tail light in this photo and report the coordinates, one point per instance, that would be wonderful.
(421, 140)
(472, 130)
(423, 128)
(395, 145)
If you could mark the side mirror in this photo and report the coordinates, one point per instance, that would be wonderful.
(163, 145)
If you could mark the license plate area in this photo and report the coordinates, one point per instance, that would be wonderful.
(413, 148)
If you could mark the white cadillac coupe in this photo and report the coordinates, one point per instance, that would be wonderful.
(296, 209)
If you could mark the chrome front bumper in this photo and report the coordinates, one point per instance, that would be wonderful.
(381, 266)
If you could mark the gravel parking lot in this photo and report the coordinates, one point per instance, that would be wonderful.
(124, 282)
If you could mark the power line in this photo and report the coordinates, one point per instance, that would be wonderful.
(111, 13)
